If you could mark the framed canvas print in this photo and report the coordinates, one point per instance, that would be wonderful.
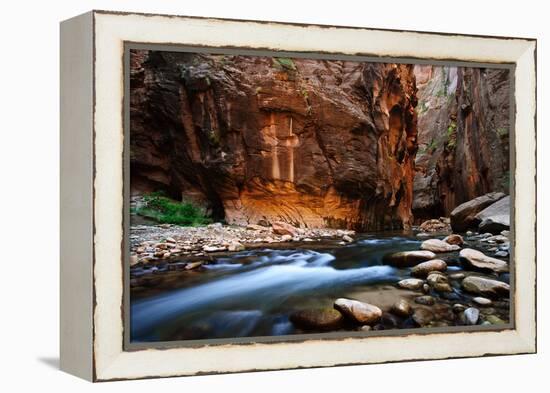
(245, 195)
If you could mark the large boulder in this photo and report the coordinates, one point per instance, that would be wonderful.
(317, 319)
(436, 245)
(463, 216)
(407, 258)
(283, 228)
(362, 313)
(485, 286)
(496, 217)
(478, 260)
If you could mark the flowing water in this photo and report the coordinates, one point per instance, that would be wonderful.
(252, 293)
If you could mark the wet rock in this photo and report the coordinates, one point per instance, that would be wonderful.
(413, 284)
(364, 328)
(216, 225)
(317, 319)
(471, 315)
(422, 316)
(501, 254)
(283, 228)
(426, 288)
(496, 217)
(363, 313)
(494, 320)
(347, 238)
(439, 282)
(402, 308)
(193, 265)
(457, 276)
(458, 308)
(485, 286)
(422, 269)
(426, 300)
(436, 245)
(505, 233)
(454, 239)
(407, 258)
(482, 301)
(478, 260)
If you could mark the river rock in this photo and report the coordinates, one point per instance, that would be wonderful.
(423, 316)
(494, 320)
(454, 239)
(457, 276)
(463, 217)
(471, 315)
(317, 319)
(255, 227)
(478, 260)
(458, 308)
(482, 301)
(436, 245)
(193, 265)
(434, 225)
(283, 228)
(363, 313)
(413, 284)
(439, 282)
(347, 238)
(485, 286)
(286, 238)
(235, 246)
(407, 258)
(422, 269)
(134, 260)
(427, 300)
(402, 308)
(496, 217)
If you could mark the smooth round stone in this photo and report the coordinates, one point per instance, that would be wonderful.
(422, 316)
(485, 286)
(494, 320)
(364, 328)
(317, 319)
(457, 276)
(426, 288)
(482, 301)
(454, 239)
(411, 283)
(436, 245)
(424, 268)
(407, 258)
(458, 308)
(471, 315)
(478, 260)
(363, 313)
(402, 308)
(426, 300)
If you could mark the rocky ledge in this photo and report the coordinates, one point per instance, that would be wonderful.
(149, 244)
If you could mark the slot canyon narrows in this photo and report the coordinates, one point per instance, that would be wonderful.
(275, 196)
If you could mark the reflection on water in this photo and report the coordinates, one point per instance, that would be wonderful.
(252, 293)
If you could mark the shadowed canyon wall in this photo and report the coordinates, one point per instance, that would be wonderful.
(463, 136)
(314, 143)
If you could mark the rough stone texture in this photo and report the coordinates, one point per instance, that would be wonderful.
(463, 216)
(496, 217)
(463, 136)
(255, 139)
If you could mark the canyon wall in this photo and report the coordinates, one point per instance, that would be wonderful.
(257, 139)
(463, 136)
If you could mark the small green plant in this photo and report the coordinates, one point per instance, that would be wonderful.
(167, 211)
(432, 146)
(422, 107)
(284, 63)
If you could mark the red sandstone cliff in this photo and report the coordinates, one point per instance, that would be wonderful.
(463, 136)
(314, 143)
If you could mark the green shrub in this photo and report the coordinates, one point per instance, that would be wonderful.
(167, 211)
(284, 63)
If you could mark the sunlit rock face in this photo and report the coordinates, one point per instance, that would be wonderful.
(463, 136)
(310, 142)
